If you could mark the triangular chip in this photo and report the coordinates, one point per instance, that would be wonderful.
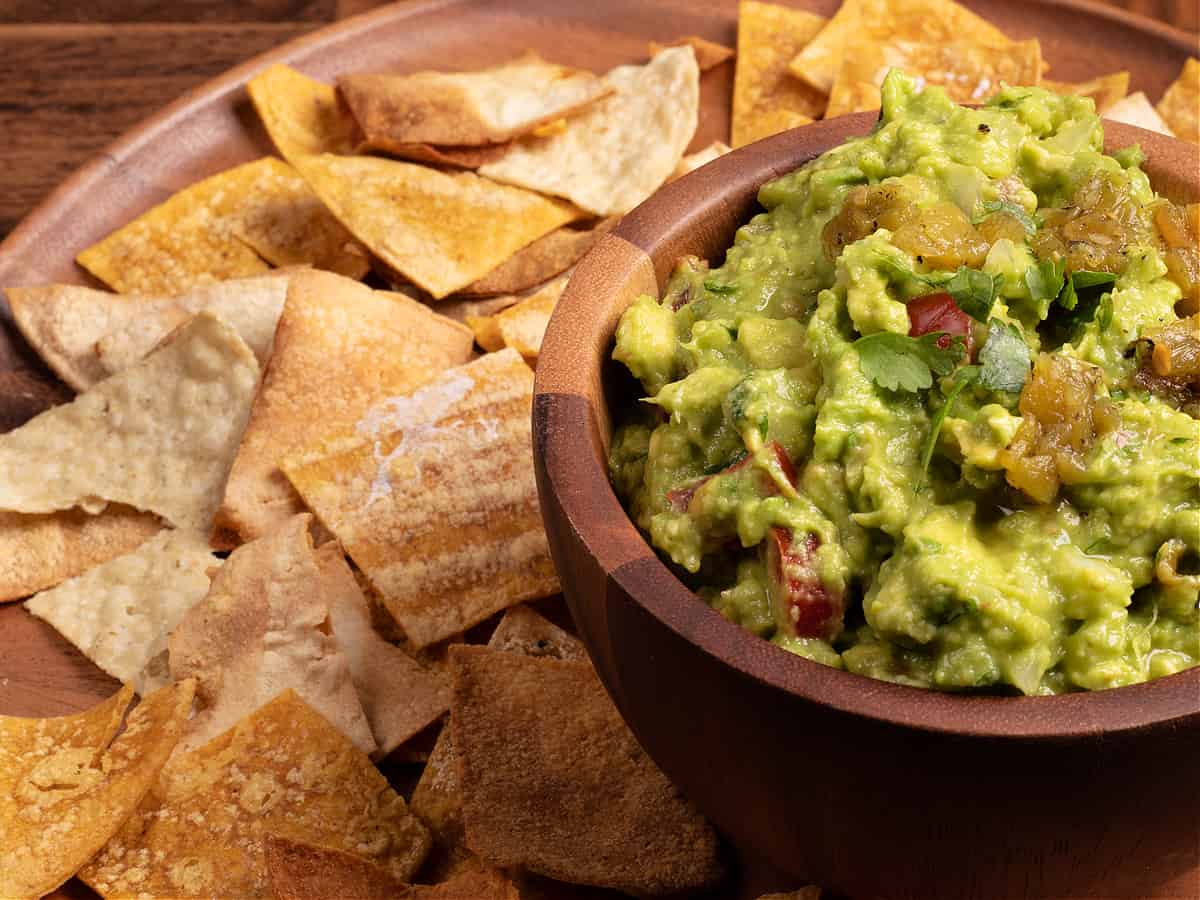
(616, 153)
(1105, 90)
(66, 786)
(1136, 110)
(339, 347)
(201, 234)
(120, 613)
(523, 325)
(441, 231)
(301, 114)
(40, 551)
(399, 696)
(262, 628)
(467, 108)
(553, 780)
(85, 335)
(433, 497)
(285, 770)
(1180, 105)
(160, 436)
(767, 99)
(857, 21)
(709, 54)
(541, 260)
(702, 157)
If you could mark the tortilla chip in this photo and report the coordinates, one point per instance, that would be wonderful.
(398, 695)
(199, 235)
(433, 497)
(883, 21)
(523, 325)
(766, 99)
(201, 831)
(1180, 105)
(339, 347)
(303, 871)
(40, 551)
(458, 157)
(462, 309)
(160, 436)
(490, 106)
(606, 817)
(541, 260)
(709, 54)
(702, 157)
(301, 115)
(967, 72)
(1105, 90)
(619, 151)
(1136, 110)
(66, 787)
(120, 613)
(440, 231)
(260, 629)
(522, 630)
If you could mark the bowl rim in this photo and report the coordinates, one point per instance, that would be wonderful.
(627, 558)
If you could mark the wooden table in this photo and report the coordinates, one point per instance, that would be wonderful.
(76, 74)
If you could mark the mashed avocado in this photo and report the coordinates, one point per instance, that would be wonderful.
(918, 425)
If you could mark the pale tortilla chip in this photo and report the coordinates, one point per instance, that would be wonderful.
(545, 257)
(339, 347)
(766, 98)
(199, 235)
(440, 231)
(433, 497)
(301, 114)
(159, 437)
(86, 335)
(40, 551)
(458, 157)
(467, 108)
(523, 325)
(1180, 105)
(399, 696)
(606, 817)
(1136, 110)
(709, 54)
(461, 309)
(487, 332)
(66, 787)
(201, 830)
(882, 21)
(120, 613)
(616, 153)
(702, 157)
(1105, 90)
(967, 72)
(262, 629)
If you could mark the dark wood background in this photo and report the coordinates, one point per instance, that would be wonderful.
(74, 74)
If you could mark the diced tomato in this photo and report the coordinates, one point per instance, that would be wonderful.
(804, 606)
(784, 463)
(681, 498)
(938, 312)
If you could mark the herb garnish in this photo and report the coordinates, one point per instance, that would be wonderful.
(898, 362)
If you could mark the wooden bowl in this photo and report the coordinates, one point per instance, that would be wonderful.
(869, 788)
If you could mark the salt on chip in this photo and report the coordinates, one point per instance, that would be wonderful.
(263, 628)
(159, 437)
(616, 153)
(119, 613)
(1136, 110)
(283, 769)
(1105, 90)
(399, 696)
(709, 54)
(1180, 105)
(301, 115)
(432, 495)
(553, 781)
(702, 157)
(339, 347)
(541, 260)
(767, 99)
(66, 787)
(523, 325)
(441, 231)
(467, 108)
(880, 21)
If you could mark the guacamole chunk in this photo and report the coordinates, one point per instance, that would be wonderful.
(934, 418)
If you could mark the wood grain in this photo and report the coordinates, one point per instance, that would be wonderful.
(167, 11)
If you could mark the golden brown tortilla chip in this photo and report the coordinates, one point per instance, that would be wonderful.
(1105, 90)
(522, 325)
(40, 551)
(200, 234)
(302, 115)
(432, 496)
(702, 157)
(709, 54)
(1180, 105)
(461, 309)
(160, 436)
(487, 332)
(882, 21)
(66, 787)
(766, 98)
(339, 347)
(302, 871)
(467, 108)
(541, 260)
(263, 628)
(458, 157)
(1136, 110)
(285, 770)
(606, 817)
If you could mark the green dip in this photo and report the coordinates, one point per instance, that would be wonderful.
(910, 427)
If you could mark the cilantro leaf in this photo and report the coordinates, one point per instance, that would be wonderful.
(1083, 280)
(898, 362)
(1045, 280)
(1004, 358)
(717, 288)
(965, 377)
(991, 207)
(974, 292)
(898, 270)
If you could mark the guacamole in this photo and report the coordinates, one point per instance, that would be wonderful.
(934, 419)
